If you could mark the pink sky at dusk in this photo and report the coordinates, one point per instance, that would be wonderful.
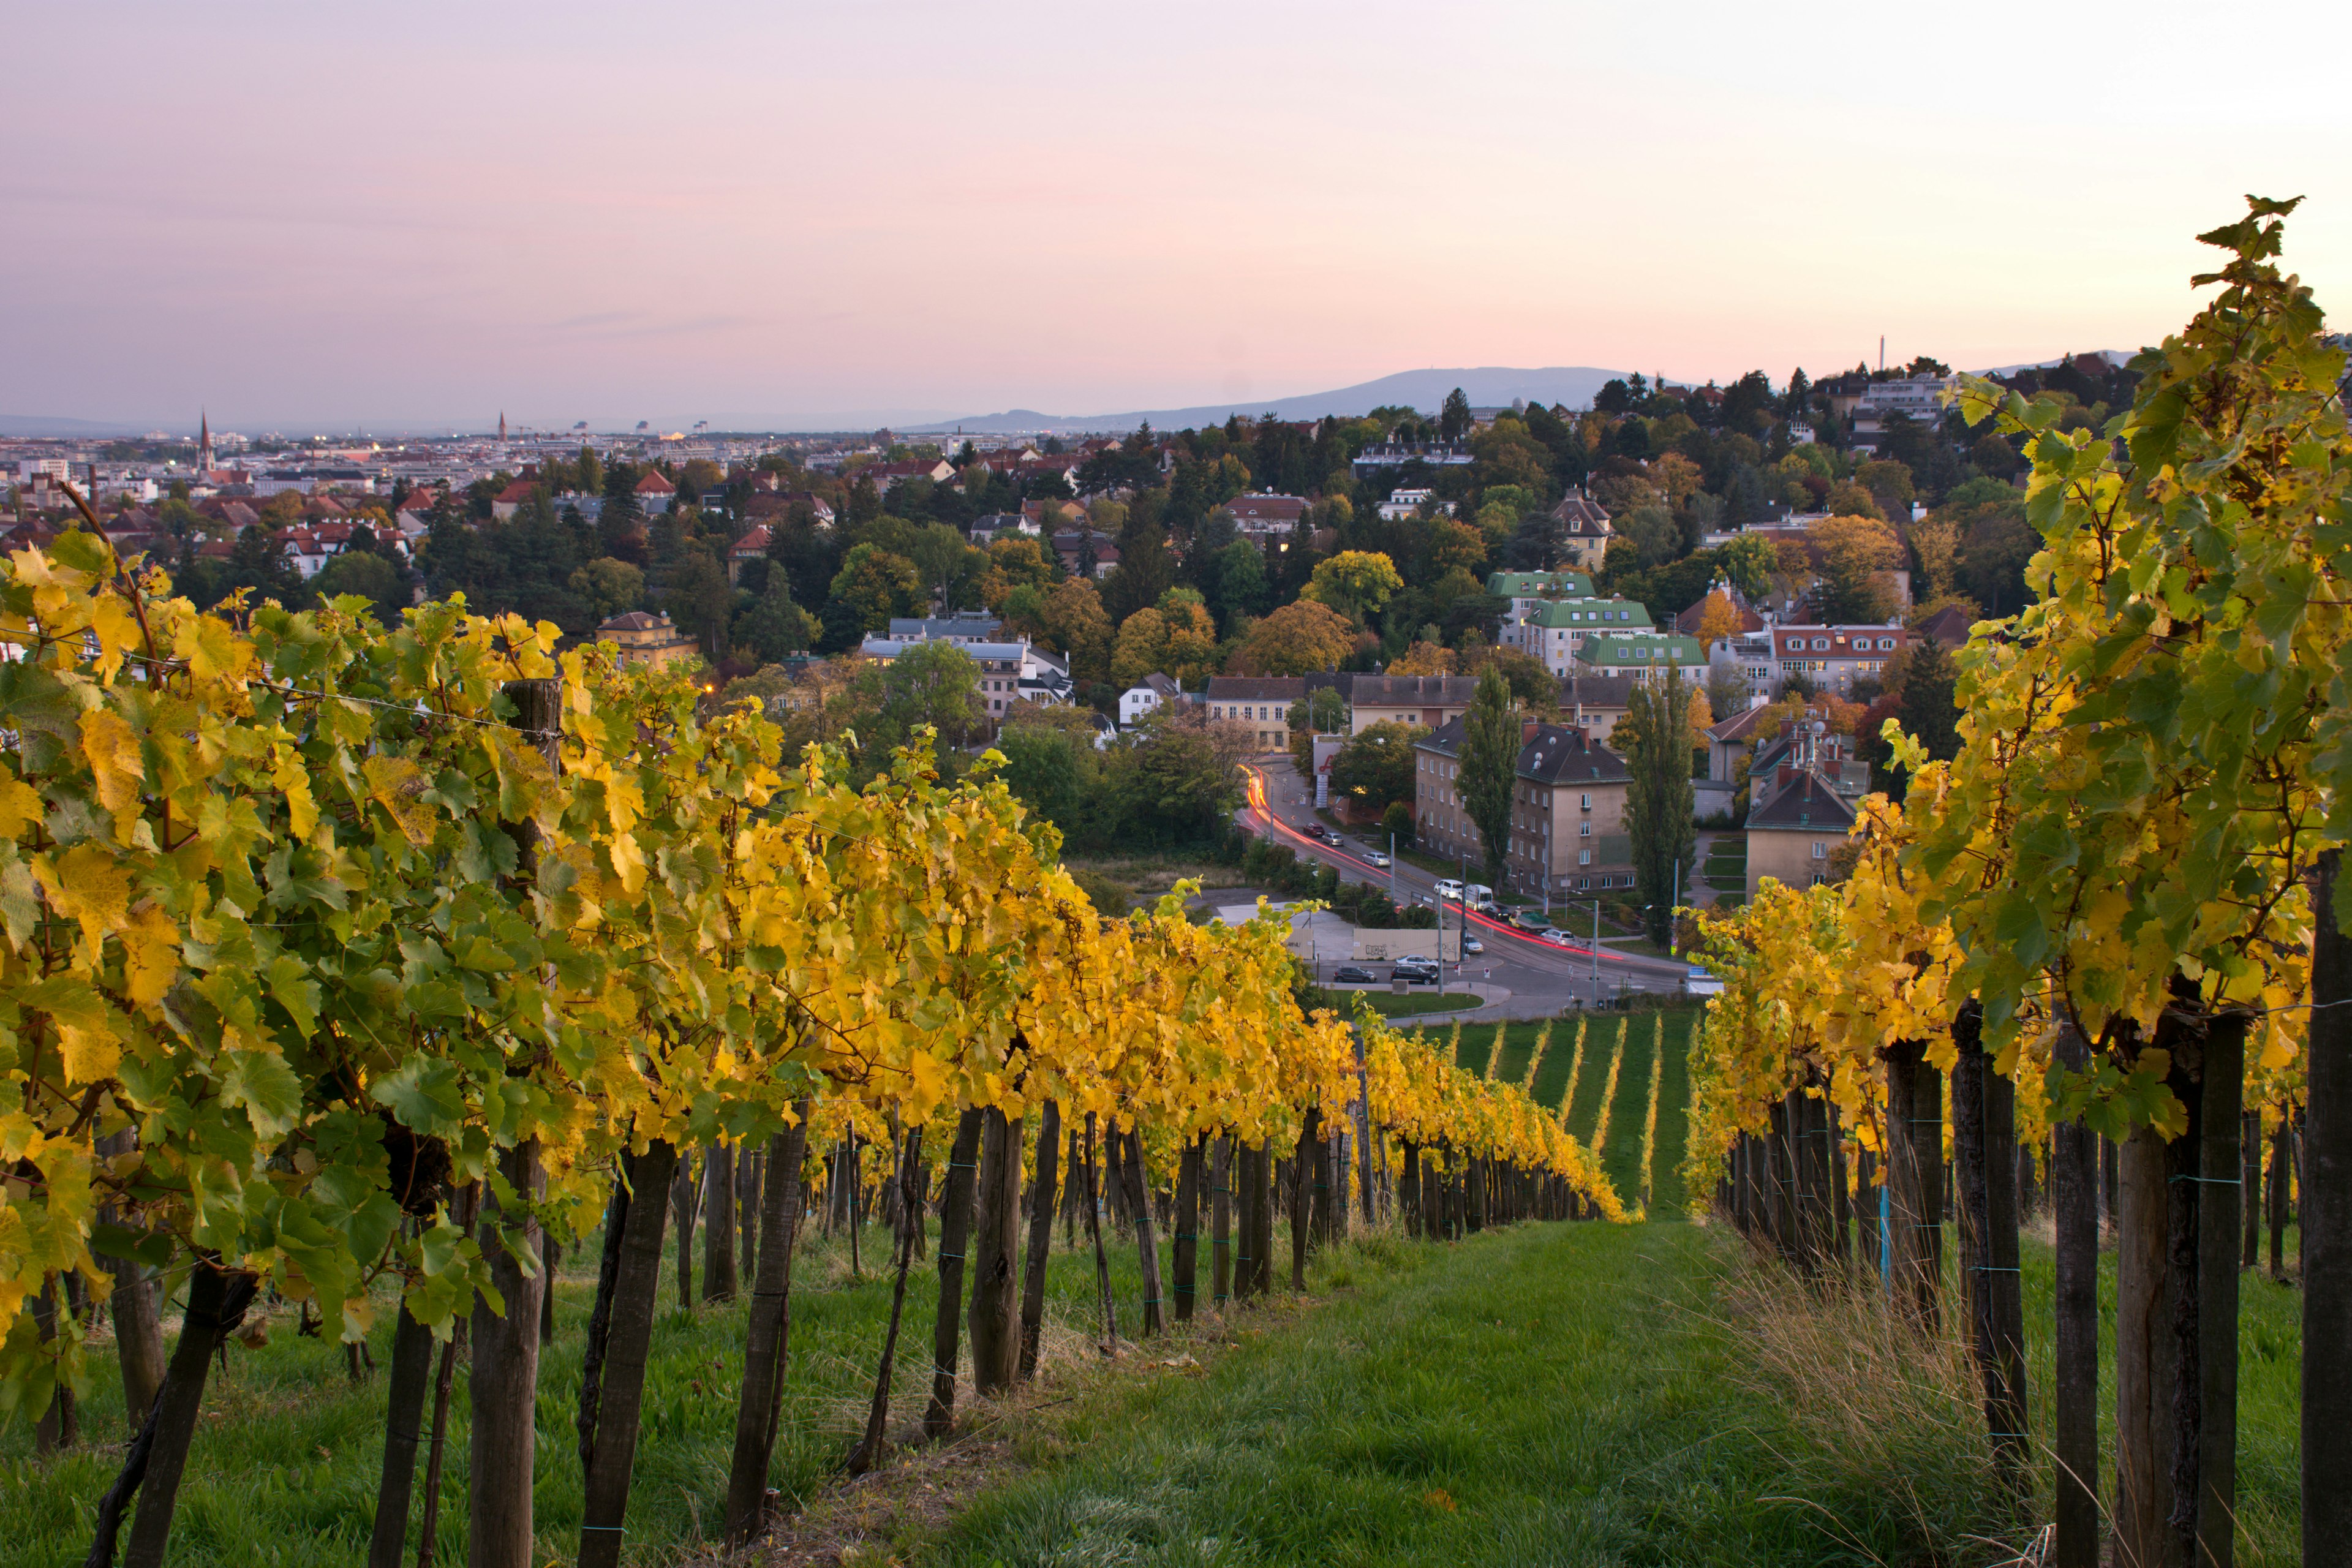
(330, 218)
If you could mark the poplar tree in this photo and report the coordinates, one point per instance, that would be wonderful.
(1490, 758)
(1655, 736)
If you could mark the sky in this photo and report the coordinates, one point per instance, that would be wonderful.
(308, 217)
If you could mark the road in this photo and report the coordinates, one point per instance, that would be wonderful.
(1542, 978)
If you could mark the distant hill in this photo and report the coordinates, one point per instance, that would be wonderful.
(1486, 386)
(65, 429)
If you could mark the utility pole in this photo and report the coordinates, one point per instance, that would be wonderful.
(1596, 951)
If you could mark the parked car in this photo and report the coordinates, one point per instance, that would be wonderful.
(1449, 888)
(1353, 975)
(1411, 974)
(1472, 944)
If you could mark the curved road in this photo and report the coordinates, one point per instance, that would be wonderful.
(1544, 970)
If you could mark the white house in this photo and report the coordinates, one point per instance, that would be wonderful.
(1147, 696)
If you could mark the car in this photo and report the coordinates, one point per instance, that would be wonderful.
(1487, 906)
(1353, 975)
(1531, 919)
(1423, 973)
(1449, 888)
(1557, 937)
(1377, 860)
(1472, 944)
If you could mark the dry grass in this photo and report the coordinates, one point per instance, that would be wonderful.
(1882, 1424)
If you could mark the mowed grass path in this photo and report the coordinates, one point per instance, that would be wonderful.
(1639, 1041)
(1547, 1394)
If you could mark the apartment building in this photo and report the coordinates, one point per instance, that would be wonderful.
(1261, 702)
(1644, 656)
(1568, 809)
(1555, 630)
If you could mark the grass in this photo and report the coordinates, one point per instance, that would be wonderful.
(285, 1464)
(1547, 1394)
(1389, 1004)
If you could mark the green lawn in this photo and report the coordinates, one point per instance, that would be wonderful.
(1550, 1393)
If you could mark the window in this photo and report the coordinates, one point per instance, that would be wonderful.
(1584, 857)
(1820, 644)
(1887, 643)
(1820, 850)
(1587, 803)
(1584, 828)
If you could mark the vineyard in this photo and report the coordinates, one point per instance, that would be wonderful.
(370, 969)
(2098, 953)
(467, 1099)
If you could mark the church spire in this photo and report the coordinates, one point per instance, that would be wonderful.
(203, 442)
(502, 426)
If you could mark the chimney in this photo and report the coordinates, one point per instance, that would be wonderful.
(1528, 728)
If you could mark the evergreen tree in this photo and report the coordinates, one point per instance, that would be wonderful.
(1654, 739)
(1490, 765)
(1453, 419)
(1930, 712)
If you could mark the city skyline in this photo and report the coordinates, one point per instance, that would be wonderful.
(307, 221)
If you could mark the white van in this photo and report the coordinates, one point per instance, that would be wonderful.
(1479, 893)
(1449, 888)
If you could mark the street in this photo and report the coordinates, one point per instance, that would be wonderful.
(1542, 979)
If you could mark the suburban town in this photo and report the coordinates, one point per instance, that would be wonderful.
(1794, 562)
(828, 786)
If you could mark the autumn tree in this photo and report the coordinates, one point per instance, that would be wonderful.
(1423, 658)
(1299, 638)
(1355, 582)
(1073, 622)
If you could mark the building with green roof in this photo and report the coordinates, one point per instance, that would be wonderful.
(1644, 656)
(1556, 630)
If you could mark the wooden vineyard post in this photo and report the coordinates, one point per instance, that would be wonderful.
(1985, 1156)
(1221, 1221)
(1262, 1219)
(505, 1383)
(2327, 1189)
(719, 1224)
(955, 1235)
(1040, 1234)
(682, 1202)
(868, 1452)
(2074, 1212)
(768, 1332)
(1094, 1229)
(2143, 1484)
(1409, 1190)
(2217, 1189)
(217, 1299)
(628, 1336)
(996, 1244)
(1188, 1225)
(1302, 1197)
(1147, 1241)
(1363, 1128)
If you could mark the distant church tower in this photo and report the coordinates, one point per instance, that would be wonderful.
(204, 443)
(502, 426)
